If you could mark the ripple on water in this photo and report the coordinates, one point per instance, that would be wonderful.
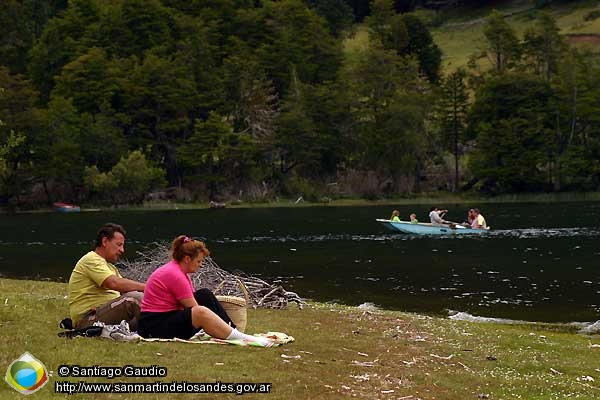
(519, 233)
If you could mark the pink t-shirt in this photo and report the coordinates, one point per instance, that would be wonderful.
(166, 287)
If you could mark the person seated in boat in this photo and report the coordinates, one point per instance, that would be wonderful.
(469, 221)
(172, 309)
(478, 220)
(436, 216)
(395, 216)
(413, 219)
(97, 291)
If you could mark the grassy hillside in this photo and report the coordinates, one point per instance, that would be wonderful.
(462, 33)
(460, 37)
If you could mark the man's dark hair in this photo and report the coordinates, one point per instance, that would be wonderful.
(108, 231)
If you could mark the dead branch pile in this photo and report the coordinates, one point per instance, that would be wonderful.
(257, 292)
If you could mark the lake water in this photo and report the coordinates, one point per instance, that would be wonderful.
(540, 263)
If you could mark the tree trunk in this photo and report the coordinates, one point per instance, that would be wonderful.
(417, 184)
(455, 127)
(557, 183)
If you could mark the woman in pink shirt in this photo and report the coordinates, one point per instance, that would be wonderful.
(172, 309)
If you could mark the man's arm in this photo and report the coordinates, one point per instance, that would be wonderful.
(437, 218)
(479, 222)
(122, 285)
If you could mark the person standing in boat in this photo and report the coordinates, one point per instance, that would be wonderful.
(436, 216)
(478, 221)
(395, 216)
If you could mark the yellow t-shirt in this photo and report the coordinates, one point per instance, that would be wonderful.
(85, 285)
(481, 221)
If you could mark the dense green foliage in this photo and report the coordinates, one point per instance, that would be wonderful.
(106, 101)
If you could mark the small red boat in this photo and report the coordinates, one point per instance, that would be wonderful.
(65, 208)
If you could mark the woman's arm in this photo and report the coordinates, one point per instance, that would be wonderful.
(187, 303)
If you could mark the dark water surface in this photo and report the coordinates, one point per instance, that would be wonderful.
(540, 263)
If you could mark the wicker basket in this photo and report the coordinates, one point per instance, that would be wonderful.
(236, 309)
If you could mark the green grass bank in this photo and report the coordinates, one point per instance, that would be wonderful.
(339, 352)
(434, 198)
(461, 34)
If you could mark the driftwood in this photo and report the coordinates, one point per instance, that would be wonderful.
(214, 204)
(257, 292)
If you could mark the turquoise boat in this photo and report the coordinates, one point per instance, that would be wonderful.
(430, 229)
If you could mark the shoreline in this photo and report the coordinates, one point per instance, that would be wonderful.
(434, 198)
(454, 315)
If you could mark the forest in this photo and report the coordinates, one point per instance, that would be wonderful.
(115, 102)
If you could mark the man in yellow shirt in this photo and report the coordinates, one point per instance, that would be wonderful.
(478, 220)
(97, 291)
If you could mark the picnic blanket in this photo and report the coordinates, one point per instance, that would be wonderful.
(121, 333)
(276, 339)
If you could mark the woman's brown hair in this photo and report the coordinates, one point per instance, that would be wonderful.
(185, 246)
